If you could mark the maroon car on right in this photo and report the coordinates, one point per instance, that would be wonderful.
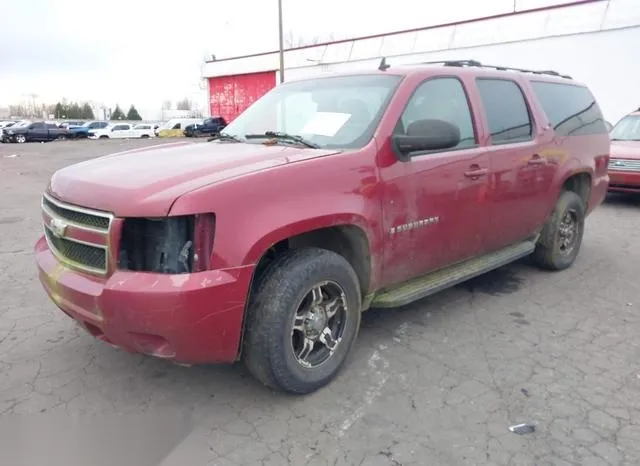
(624, 163)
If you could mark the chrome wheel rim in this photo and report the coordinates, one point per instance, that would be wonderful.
(568, 232)
(319, 324)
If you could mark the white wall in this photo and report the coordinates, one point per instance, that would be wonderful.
(606, 61)
(596, 43)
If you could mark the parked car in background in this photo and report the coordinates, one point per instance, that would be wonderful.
(624, 164)
(209, 127)
(82, 131)
(27, 131)
(7, 124)
(123, 130)
(67, 124)
(143, 130)
(175, 127)
(378, 189)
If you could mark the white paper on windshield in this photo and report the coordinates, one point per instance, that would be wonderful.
(325, 123)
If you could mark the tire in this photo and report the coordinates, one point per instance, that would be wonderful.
(554, 250)
(144, 136)
(283, 292)
(20, 138)
(103, 137)
(62, 137)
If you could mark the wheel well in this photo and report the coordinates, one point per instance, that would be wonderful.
(349, 241)
(579, 184)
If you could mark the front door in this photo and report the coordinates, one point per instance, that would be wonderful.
(434, 210)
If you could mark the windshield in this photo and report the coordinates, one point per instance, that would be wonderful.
(22, 124)
(627, 129)
(335, 112)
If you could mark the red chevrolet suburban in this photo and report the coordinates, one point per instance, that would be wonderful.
(326, 197)
(624, 164)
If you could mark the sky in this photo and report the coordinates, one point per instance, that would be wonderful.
(144, 52)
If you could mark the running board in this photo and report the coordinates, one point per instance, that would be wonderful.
(447, 277)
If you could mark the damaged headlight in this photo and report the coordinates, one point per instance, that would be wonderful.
(172, 245)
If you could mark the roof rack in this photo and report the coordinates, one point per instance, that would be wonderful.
(385, 66)
(499, 68)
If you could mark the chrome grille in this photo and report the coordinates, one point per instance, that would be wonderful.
(73, 252)
(80, 218)
(627, 165)
(79, 254)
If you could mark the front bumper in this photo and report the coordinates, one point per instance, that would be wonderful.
(190, 318)
(624, 181)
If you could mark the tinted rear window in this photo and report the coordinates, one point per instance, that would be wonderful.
(506, 110)
(572, 110)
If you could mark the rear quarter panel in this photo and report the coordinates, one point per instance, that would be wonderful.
(571, 155)
(256, 211)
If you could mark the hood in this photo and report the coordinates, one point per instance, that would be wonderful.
(625, 150)
(146, 182)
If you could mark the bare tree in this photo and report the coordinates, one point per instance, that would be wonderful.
(167, 105)
(291, 40)
(184, 104)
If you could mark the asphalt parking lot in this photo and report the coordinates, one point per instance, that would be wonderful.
(434, 383)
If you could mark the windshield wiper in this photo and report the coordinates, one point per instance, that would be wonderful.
(224, 137)
(283, 136)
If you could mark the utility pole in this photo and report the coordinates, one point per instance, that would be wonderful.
(281, 40)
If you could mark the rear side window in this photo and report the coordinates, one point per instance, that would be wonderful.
(572, 110)
(506, 109)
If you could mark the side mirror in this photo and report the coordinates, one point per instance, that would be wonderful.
(424, 135)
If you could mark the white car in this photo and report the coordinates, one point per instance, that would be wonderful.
(123, 130)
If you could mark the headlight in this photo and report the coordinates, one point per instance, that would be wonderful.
(173, 245)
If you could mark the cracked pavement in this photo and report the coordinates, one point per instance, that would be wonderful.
(437, 382)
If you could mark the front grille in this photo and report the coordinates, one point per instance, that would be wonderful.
(78, 254)
(81, 218)
(627, 165)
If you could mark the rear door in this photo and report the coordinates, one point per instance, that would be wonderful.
(519, 185)
(434, 212)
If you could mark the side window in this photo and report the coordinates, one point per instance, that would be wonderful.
(38, 126)
(120, 127)
(506, 110)
(176, 126)
(572, 110)
(441, 99)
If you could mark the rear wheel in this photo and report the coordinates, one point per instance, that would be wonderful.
(303, 319)
(104, 137)
(561, 237)
(61, 137)
(144, 136)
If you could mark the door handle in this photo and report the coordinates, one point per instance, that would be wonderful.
(537, 160)
(476, 172)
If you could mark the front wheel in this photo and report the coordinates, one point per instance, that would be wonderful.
(303, 319)
(561, 237)
(103, 137)
(20, 138)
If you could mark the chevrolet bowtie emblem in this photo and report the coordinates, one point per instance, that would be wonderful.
(57, 227)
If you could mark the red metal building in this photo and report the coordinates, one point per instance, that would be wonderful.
(230, 95)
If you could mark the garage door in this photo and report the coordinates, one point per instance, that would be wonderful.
(230, 95)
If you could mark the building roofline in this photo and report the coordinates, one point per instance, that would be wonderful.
(425, 28)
